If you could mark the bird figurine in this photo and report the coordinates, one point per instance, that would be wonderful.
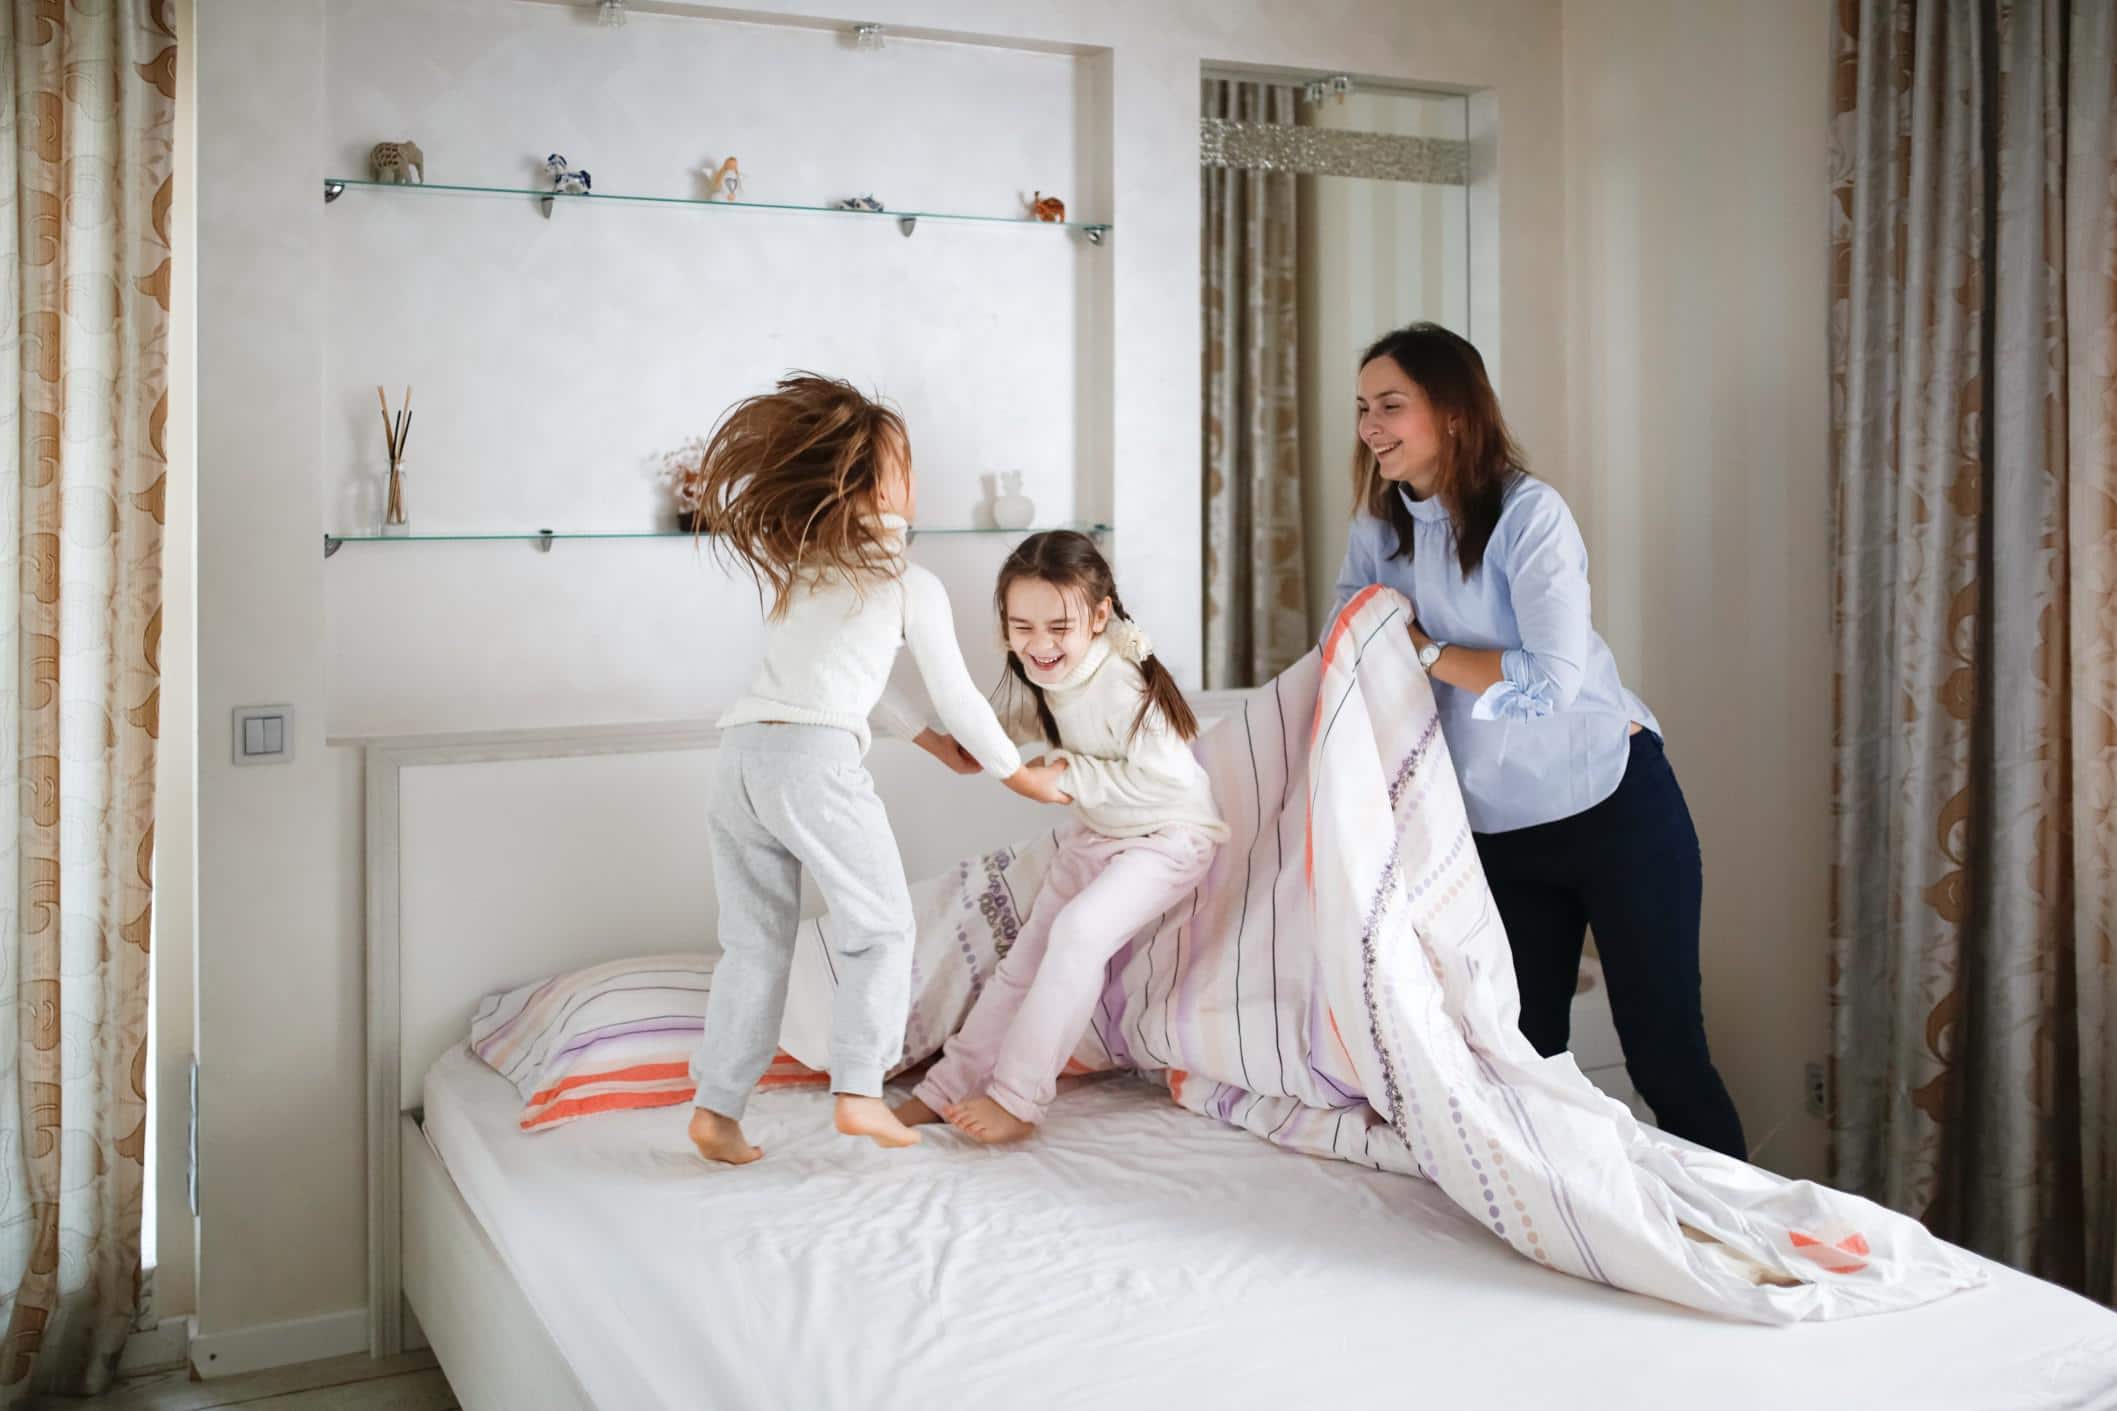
(724, 181)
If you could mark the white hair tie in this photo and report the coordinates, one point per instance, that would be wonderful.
(1130, 641)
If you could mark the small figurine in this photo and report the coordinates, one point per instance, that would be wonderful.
(1047, 208)
(1011, 509)
(861, 203)
(398, 162)
(564, 179)
(724, 181)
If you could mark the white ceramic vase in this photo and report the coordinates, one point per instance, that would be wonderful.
(1011, 509)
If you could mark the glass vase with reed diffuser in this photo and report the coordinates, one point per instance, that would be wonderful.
(396, 522)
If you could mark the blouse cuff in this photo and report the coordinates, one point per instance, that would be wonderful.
(1521, 693)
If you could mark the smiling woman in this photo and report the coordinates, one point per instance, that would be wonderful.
(1577, 815)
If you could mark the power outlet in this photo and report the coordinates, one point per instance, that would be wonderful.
(1818, 1093)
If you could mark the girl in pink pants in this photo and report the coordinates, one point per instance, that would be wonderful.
(1145, 833)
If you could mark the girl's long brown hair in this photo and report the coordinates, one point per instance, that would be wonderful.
(789, 480)
(1479, 460)
(1071, 563)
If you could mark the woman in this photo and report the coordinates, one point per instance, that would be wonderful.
(1577, 815)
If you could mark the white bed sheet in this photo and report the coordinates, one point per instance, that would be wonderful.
(1135, 1254)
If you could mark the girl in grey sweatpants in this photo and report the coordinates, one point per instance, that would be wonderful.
(810, 488)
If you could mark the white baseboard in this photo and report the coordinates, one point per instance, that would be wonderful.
(253, 1349)
(166, 1344)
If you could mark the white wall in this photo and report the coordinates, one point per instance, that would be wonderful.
(1698, 276)
(280, 986)
(554, 360)
(279, 969)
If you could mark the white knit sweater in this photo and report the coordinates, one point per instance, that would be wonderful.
(1123, 785)
(827, 660)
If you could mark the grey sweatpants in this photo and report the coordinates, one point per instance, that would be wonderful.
(789, 797)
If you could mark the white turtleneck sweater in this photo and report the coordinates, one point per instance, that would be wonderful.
(827, 660)
(1123, 785)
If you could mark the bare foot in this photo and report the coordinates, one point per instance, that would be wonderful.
(914, 1113)
(870, 1117)
(988, 1122)
(720, 1138)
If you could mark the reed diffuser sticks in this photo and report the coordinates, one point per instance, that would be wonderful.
(395, 430)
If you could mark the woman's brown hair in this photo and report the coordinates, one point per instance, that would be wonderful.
(1479, 459)
(1071, 563)
(789, 482)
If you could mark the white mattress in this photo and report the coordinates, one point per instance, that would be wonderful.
(1136, 1255)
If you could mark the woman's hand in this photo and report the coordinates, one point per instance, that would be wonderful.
(1468, 668)
(946, 749)
(1040, 781)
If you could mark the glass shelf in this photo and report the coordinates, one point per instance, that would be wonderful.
(543, 539)
(336, 186)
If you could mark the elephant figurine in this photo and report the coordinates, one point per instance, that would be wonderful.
(398, 162)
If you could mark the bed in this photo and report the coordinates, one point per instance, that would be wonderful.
(1135, 1253)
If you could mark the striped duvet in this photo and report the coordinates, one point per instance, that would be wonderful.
(1340, 985)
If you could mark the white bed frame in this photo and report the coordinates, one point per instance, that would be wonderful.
(432, 1269)
(427, 1255)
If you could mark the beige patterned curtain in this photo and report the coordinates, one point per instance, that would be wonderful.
(1974, 365)
(1256, 604)
(88, 114)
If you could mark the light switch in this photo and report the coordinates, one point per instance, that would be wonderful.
(264, 734)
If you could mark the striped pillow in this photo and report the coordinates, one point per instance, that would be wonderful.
(606, 1038)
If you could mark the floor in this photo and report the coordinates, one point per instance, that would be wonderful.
(358, 1383)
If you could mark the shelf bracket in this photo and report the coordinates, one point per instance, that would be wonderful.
(1095, 233)
(543, 541)
(907, 224)
(332, 190)
(332, 544)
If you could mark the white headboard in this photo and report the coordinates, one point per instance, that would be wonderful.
(497, 858)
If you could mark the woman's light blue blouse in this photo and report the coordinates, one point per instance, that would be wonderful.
(1551, 739)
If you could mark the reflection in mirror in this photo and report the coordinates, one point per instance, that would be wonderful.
(1333, 210)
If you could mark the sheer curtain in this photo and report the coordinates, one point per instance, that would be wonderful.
(88, 109)
(1974, 349)
(1256, 603)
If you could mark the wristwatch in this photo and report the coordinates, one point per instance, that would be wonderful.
(1431, 653)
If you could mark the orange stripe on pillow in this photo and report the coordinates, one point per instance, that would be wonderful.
(608, 1102)
(667, 1085)
(804, 1079)
(639, 1073)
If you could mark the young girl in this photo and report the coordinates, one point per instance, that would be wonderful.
(811, 488)
(1146, 831)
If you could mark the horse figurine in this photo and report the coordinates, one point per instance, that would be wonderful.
(564, 179)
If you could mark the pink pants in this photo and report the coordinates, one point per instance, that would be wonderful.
(1034, 1009)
